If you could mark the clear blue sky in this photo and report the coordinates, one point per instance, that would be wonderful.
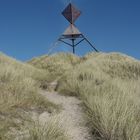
(29, 27)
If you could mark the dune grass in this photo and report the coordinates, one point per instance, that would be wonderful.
(51, 130)
(55, 65)
(19, 92)
(108, 84)
(19, 85)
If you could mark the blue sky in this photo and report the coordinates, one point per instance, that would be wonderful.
(29, 27)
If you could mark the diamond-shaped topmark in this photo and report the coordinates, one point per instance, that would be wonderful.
(71, 13)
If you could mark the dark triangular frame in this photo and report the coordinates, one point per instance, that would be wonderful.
(74, 37)
(64, 39)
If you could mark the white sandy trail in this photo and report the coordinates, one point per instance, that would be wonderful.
(71, 115)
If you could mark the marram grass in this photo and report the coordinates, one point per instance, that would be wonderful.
(51, 130)
(108, 85)
(19, 92)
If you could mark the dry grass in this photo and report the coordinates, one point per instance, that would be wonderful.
(108, 84)
(55, 65)
(19, 92)
(51, 130)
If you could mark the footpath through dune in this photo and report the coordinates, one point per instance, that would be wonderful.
(71, 115)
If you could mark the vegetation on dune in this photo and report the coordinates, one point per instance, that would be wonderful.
(55, 65)
(19, 86)
(51, 130)
(108, 84)
(116, 65)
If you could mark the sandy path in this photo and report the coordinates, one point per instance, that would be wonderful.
(71, 115)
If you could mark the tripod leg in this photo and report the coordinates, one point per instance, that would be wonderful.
(73, 46)
(53, 46)
(90, 44)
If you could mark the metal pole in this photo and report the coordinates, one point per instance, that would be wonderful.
(91, 45)
(79, 42)
(65, 42)
(73, 46)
